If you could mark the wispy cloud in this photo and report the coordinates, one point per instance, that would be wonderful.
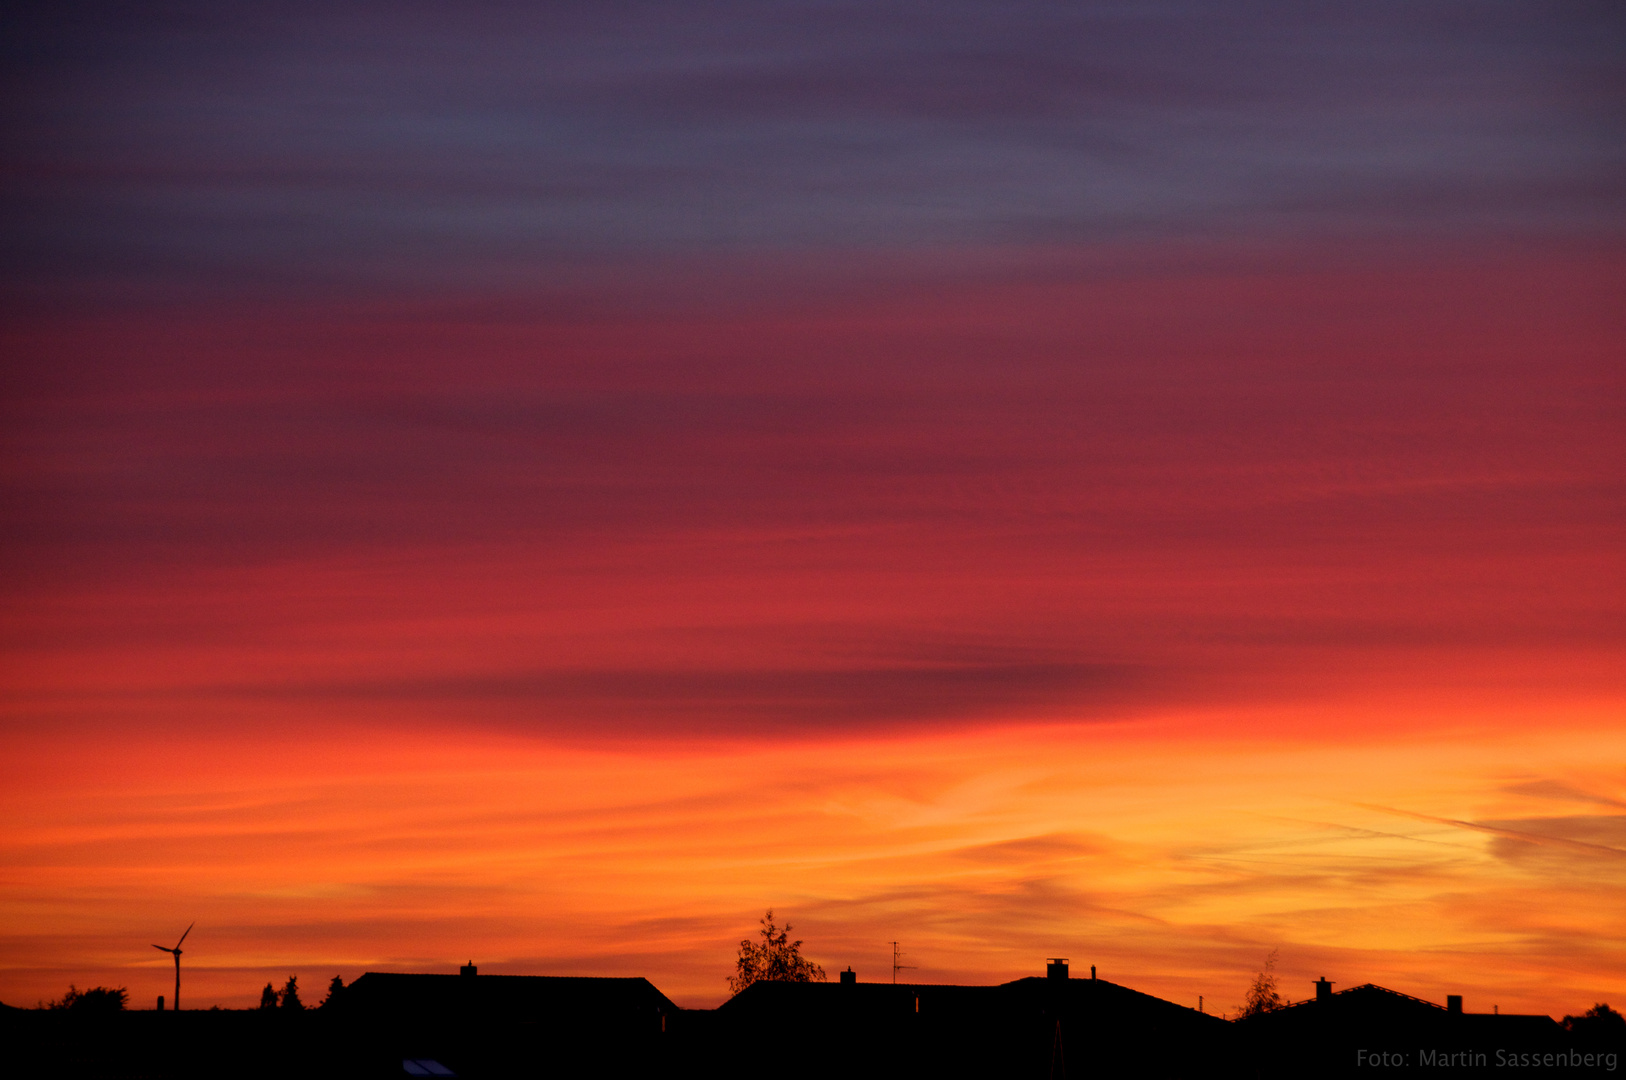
(1546, 832)
(313, 146)
(1562, 791)
(1174, 864)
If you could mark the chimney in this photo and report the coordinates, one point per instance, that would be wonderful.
(849, 977)
(469, 969)
(160, 1002)
(1092, 972)
(1323, 989)
(1056, 968)
(1453, 1003)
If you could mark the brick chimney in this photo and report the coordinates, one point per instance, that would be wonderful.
(1323, 989)
(849, 977)
(1453, 1003)
(1056, 968)
(468, 969)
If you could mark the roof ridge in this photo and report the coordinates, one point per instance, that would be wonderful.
(1392, 993)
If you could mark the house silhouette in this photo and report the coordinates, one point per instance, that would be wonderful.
(474, 1026)
(505, 1024)
(1041, 1027)
(1370, 1027)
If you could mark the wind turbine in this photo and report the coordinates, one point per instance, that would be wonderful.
(177, 953)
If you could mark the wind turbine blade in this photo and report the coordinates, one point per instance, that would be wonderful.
(166, 948)
(183, 936)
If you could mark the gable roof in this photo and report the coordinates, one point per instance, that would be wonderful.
(1370, 1005)
(504, 996)
(1105, 999)
(1094, 999)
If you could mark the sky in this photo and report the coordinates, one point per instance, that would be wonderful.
(543, 484)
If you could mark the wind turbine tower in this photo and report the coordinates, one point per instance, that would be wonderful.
(176, 951)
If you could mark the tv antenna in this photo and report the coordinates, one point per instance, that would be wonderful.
(897, 955)
(176, 952)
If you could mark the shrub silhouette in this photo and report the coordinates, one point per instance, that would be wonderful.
(268, 997)
(94, 1001)
(289, 995)
(334, 989)
(776, 959)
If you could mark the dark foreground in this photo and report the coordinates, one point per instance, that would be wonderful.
(484, 1026)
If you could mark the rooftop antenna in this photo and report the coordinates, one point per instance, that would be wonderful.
(897, 955)
(176, 951)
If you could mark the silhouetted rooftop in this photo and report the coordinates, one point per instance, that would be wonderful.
(1373, 1003)
(1097, 996)
(503, 995)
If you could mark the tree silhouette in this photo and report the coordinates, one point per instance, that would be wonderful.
(1262, 995)
(289, 997)
(776, 959)
(268, 997)
(334, 989)
(96, 1000)
(1598, 1022)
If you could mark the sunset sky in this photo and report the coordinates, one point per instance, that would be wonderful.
(541, 484)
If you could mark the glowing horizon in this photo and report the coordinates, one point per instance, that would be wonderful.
(1175, 864)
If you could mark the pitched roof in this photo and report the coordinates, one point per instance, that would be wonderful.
(1096, 998)
(1370, 1003)
(503, 995)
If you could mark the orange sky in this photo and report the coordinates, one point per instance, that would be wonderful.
(1445, 850)
(1154, 614)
